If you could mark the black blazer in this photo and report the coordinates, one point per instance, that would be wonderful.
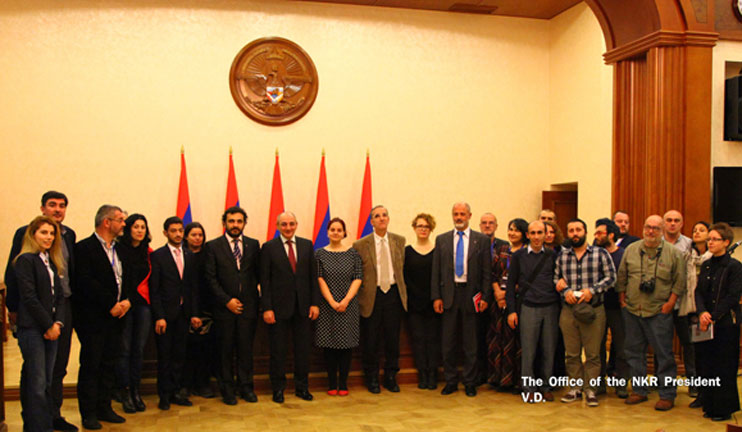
(37, 307)
(11, 282)
(479, 265)
(280, 286)
(627, 240)
(166, 288)
(94, 291)
(227, 282)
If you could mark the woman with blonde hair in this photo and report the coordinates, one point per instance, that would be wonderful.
(39, 268)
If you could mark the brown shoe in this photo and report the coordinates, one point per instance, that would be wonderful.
(635, 399)
(664, 405)
(548, 397)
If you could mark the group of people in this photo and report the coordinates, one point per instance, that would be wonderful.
(521, 311)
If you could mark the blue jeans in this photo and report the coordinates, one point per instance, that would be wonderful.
(137, 328)
(656, 331)
(36, 379)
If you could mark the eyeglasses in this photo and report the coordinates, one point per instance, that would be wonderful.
(652, 228)
(422, 226)
(715, 239)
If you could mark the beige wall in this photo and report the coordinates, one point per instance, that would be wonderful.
(98, 100)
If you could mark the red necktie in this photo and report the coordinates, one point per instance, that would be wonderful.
(292, 257)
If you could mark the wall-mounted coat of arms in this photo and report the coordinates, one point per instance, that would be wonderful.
(273, 81)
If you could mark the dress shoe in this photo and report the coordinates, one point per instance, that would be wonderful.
(278, 396)
(60, 424)
(721, 418)
(432, 379)
(137, 399)
(390, 383)
(422, 379)
(181, 400)
(664, 405)
(91, 423)
(548, 396)
(695, 404)
(229, 400)
(127, 403)
(449, 388)
(373, 385)
(205, 392)
(635, 398)
(342, 392)
(110, 416)
(470, 390)
(164, 404)
(249, 396)
(304, 394)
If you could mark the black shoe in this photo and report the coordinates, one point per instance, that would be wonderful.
(373, 385)
(180, 400)
(137, 399)
(278, 396)
(207, 393)
(721, 418)
(60, 424)
(110, 416)
(470, 390)
(248, 396)
(229, 399)
(304, 394)
(118, 394)
(127, 403)
(164, 404)
(449, 388)
(695, 404)
(91, 423)
(432, 379)
(422, 379)
(390, 383)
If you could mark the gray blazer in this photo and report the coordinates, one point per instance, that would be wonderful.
(478, 269)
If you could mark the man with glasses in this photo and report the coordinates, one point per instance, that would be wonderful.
(651, 278)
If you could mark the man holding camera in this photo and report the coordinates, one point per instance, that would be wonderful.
(651, 278)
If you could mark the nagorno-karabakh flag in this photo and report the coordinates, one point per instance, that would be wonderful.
(322, 209)
(276, 201)
(183, 208)
(233, 198)
(364, 217)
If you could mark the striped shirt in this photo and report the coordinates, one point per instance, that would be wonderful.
(594, 271)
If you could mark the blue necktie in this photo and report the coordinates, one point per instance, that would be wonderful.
(460, 254)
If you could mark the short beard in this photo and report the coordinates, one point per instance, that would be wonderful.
(578, 243)
(229, 233)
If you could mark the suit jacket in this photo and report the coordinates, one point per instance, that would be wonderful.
(366, 248)
(226, 281)
(11, 282)
(167, 289)
(627, 240)
(38, 308)
(280, 287)
(478, 269)
(94, 292)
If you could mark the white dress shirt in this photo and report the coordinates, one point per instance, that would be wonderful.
(377, 241)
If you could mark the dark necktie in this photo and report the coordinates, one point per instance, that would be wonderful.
(236, 252)
(292, 256)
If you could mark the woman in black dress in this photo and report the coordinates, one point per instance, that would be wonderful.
(133, 249)
(425, 324)
(717, 303)
(339, 272)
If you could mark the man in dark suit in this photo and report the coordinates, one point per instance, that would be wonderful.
(621, 218)
(382, 299)
(99, 302)
(232, 272)
(460, 285)
(174, 298)
(290, 298)
(54, 205)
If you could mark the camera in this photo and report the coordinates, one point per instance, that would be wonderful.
(647, 286)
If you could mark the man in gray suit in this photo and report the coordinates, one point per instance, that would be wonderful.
(460, 286)
(382, 299)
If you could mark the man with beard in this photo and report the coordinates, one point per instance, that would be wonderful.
(605, 236)
(651, 278)
(232, 272)
(624, 239)
(583, 274)
(460, 286)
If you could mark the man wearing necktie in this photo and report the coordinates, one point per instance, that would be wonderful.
(290, 299)
(174, 298)
(460, 286)
(382, 299)
(232, 271)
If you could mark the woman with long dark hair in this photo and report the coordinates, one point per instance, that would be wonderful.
(503, 341)
(133, 250)
(39, 268)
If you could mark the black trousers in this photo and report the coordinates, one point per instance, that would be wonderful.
(203, 359)
(60, 364)
(99, 351)
(338, 367)
(384, 322)
(300, 326)
(459, 314)
(483, 324)
(235, 335)
(171, 350)
(719, 357)
(425, 337)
